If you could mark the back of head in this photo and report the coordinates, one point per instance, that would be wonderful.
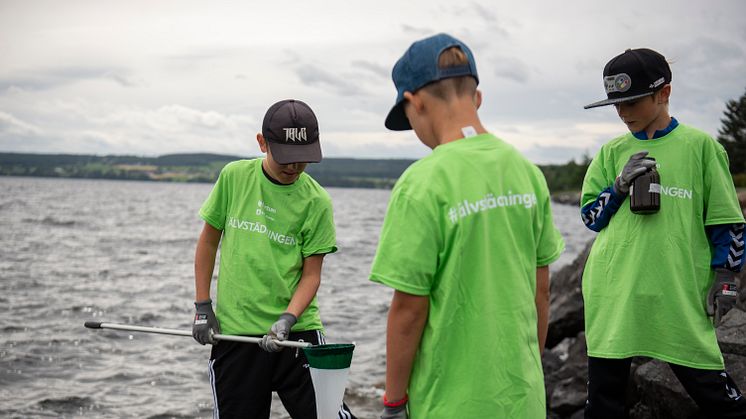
(452, 87)
(431, 61)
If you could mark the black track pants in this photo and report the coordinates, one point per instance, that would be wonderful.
(713, 391)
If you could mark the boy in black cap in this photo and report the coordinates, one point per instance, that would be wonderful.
(276, 225)
(465, 244)
(652, 280)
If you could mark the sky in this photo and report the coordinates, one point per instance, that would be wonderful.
(158, 77)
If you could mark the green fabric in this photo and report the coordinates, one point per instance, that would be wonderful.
(647, 276)
(268, 230)
(334, 356)
(467, 226)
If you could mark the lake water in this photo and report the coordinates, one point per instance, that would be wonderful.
(77, 250)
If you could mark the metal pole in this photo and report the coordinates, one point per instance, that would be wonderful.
(176, 332)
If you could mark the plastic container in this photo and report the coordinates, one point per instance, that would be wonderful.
(329, 366)
(645, 192)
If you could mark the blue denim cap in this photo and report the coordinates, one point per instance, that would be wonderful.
(419, 67)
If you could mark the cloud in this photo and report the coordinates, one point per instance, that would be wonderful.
(130, 130)
(419, 31)
(12, 126)
(511, 68)
(556, 141)
(314, 76)
(375, 68)
(56, 77)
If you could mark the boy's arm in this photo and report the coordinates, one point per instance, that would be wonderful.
(597, 214)
(406, 321)
(204, 261)
(310, 280)
(205, 322)
(727, 259)
(542, 304)
(728, 246)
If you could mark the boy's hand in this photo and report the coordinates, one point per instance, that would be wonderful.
(205, 323)
(280, 331)
(722, 296)
(636, 166)
(395, 410)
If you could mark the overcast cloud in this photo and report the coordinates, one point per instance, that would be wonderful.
(157, 77)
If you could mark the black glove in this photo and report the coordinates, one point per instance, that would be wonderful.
(723, 295)
(280, 330)
(395, 410)
(205, 323)
(636, 166)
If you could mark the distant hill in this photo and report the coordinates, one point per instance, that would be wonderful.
(362, 173)
(203, 167)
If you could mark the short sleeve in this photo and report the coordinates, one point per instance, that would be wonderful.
(319, 233)
(721, 201)
(215, 207)
(407, 254)
(549, 242)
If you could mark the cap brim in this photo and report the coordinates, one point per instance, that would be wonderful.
(295, 153)
(397, 120)
(615, 101)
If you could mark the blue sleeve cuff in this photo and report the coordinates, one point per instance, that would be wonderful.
(728, 246)
(598, 213)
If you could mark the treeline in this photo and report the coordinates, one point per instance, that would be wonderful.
(334, 172)
(364, 173)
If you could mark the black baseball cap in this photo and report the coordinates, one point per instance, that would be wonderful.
(419, 67)
(634, 74)
(292, 132)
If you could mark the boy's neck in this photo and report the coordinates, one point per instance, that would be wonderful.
(660, 123)
(271, 179)
(451, 123)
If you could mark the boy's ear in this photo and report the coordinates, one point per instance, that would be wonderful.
(262, 142)
(414, 100)
(478, 98)
(664, 94)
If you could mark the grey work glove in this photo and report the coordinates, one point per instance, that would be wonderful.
(205, 323)
(636, 166)
(280, 330)
(398, 412)
(722, 296)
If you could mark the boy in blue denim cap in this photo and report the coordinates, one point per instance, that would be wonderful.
(465, 244)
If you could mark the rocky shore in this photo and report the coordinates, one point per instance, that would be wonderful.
(653, 391)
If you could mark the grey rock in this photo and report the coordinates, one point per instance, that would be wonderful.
(569, 395)
(566, 317)
(661, 392)
(565, 375)
(732, 333)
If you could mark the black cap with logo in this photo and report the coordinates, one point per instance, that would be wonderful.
(634, 74)
(292, 132)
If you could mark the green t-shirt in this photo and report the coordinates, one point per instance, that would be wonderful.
(268, 230)
(647, 276)
(467, 226)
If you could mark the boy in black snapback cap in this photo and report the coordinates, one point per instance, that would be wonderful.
(652, 280)
(274, 224)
